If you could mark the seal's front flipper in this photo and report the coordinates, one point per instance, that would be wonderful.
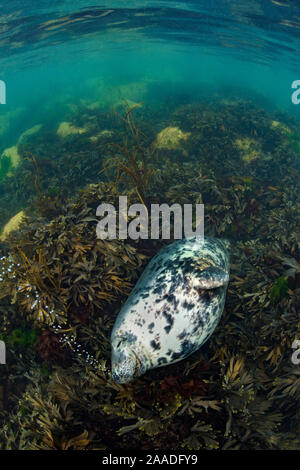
(210, 278)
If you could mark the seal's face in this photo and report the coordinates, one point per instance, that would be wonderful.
(126, 361)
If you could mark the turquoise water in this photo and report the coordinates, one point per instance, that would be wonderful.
(64, 52)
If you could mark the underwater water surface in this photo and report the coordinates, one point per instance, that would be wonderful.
(187, 102)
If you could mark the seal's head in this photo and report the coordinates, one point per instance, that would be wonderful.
(126, 363)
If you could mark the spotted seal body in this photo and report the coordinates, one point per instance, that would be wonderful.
(173, 309)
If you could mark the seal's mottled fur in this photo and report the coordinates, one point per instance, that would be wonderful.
(173, 309)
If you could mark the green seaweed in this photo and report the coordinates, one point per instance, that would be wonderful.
(5, 165)
(294, 140)
(279, 289)
(22, 338)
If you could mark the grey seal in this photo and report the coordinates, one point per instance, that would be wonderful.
(173, 309)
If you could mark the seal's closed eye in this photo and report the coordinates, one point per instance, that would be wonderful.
(211, 278)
